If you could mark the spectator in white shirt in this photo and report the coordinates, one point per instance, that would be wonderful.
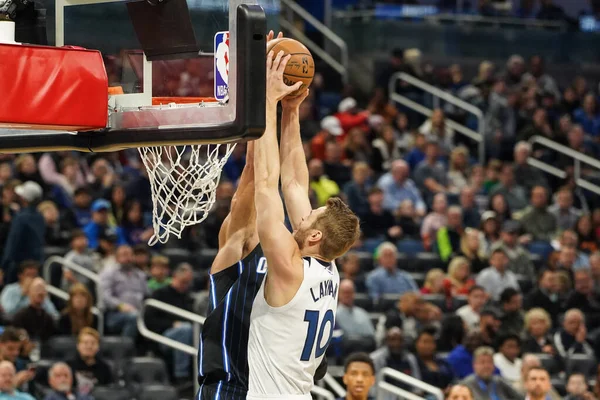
(353, 320)
(496, 277)
(470, 312)
(507, 358)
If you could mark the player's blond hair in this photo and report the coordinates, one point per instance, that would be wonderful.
(340, 228)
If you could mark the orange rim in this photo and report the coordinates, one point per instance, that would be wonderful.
(157, 101)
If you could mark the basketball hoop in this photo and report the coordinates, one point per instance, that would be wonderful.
(184, 180)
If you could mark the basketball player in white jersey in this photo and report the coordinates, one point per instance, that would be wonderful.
(293, 313)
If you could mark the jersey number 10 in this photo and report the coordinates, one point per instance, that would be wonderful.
(312, 317)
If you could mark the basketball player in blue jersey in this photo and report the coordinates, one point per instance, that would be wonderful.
(235, 277)
(294, 310)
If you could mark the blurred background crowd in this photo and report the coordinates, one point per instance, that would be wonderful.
(473, 266)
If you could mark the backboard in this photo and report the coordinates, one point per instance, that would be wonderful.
(160, 63)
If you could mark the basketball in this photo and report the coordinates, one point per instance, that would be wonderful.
(300, 68)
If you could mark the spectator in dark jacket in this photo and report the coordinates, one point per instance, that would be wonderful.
(378, 223)
(34, 319)
(583, 298)
(26, 234)
(167, 324)
(545, 296)
(60, 378)
(89, 368)
(571, 339)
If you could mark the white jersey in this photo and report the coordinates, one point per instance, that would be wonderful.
(287, 344)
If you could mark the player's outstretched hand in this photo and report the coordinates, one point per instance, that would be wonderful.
(277, 89)
(271, 36)
(293, 103)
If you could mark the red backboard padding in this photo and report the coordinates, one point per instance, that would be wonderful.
(52, 88)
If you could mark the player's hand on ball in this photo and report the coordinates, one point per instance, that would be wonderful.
(271, 36)
(276, 87)
(294, 102)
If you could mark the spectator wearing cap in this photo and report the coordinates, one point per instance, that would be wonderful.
(14, 296)
(512, 320)
(518, 257)
(99, 224)
(470, 312)
(525, 175)
(448, 236)
(430, 174)
(123, 289)
(496, 277)
(26, 235)
(545, 295)
(514, 194)
(350, 116)
(320, 183)
(537, 221)
(484, 384)
(471, 214)
(571, 338)
(352, 320)
(566, 215)
(397, 187)
(331, 130)
(583, 298)
(386, 278)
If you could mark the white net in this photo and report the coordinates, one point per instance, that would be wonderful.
(183, 180)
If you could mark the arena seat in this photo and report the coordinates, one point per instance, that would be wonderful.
(524, 283)
(550, 363)
(410, 246)
(366, 261)
(117, 348)
(582, 364)
(363, 300)
(40, 380)
(60, 348)
(141, 371)
(540, 248)
(418, 277)
(158, 392)
(424, 262)
(111, 393)
(177, 256)
(559, 385)
(354, 344)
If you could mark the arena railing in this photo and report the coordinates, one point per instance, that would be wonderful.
(439, 94)
(578, 159)
(196, 321)
(383, 386)
(64, 263)
(61, 294)
(289, 8)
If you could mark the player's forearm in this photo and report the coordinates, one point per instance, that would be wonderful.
(293, 159)
(266, 154)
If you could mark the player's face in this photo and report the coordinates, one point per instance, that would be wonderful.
(359, 379)
(303, 231)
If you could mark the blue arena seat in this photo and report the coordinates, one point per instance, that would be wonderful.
(410, 247)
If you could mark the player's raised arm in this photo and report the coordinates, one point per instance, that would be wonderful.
(294, 171)
(238, 232)
(277, 242)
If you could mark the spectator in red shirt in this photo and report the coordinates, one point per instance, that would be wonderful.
(330, 130)
(350, 116)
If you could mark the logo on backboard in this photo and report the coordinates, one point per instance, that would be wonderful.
(222, 66)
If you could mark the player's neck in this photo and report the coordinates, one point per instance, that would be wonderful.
(349, 396)
(314, 253)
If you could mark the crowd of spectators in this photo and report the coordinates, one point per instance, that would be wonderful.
(476, 268)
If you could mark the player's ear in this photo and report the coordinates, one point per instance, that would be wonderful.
(315, 236)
